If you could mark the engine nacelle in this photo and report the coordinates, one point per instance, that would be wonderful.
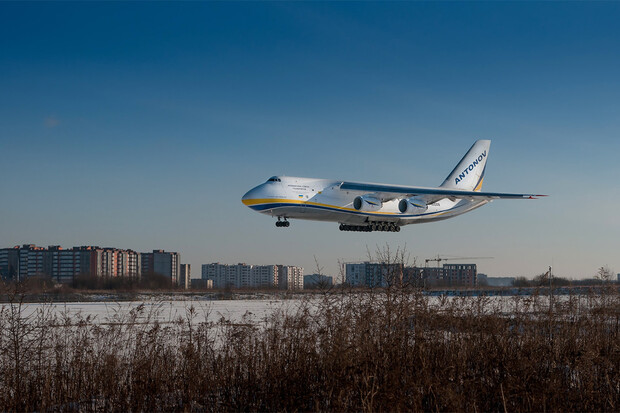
(367, 203)
(412, 206)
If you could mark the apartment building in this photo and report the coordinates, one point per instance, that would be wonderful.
(215, 272)
(461, 274)
(64, 265)
(450, 275)
(243, 275)
(290, 277)
(185, 276)
(9, 263)
(372, 274)
(162, 263)
(33, 261)
(319, 281)
(369, 274)
(265, 276)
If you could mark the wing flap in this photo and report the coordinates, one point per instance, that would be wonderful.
(389, 192)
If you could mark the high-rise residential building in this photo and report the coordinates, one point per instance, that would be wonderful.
(264, 276)
(447, 276)
(240, 275)
(290, 277)
(19, 263)
(90, 260)
(184, 277)
(460, 274)
(133, 264)
(64, 265)
(201, 284)
(253, 276)
(162, 263)
(217, 273)
(318, 281)
(103, 262)
(413, 277)
(372, 274)
(433, 276)
(9, 263)
(33, 261)
(355, 274)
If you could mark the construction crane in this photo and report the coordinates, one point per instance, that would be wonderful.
(439, 259)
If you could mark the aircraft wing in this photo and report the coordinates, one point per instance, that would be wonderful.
(389, 192)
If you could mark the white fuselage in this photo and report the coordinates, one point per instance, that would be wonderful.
(323, 200)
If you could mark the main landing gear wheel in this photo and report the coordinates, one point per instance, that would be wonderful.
(358, 228)
(373, 226)
(281, 224)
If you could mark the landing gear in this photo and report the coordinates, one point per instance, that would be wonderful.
(284, 223)
(358, 228)
(373, 226)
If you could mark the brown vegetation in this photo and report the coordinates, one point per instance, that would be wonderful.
(392, 349)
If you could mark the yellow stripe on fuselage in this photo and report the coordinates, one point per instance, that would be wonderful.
(259, 201)
(250, 202)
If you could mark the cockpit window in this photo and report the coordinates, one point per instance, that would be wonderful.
(274, 179)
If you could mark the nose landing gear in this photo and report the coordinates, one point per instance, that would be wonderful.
(281, 224)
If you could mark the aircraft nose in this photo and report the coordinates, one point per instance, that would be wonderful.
(250, 195)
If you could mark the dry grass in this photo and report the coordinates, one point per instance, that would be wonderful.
(389, 350)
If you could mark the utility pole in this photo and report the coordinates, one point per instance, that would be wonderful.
(550, 290)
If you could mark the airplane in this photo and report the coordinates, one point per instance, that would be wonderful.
(367, 207)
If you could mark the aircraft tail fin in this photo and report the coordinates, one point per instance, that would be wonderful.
(469, 172)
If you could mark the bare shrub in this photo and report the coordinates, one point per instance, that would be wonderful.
(365, 350)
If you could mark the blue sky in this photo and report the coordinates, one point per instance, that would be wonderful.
(140, 125)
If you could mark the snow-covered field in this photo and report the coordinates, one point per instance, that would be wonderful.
(169, 309)
(236, 311)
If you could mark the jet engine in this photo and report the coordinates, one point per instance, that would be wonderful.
(367, 203)
(412, 206)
